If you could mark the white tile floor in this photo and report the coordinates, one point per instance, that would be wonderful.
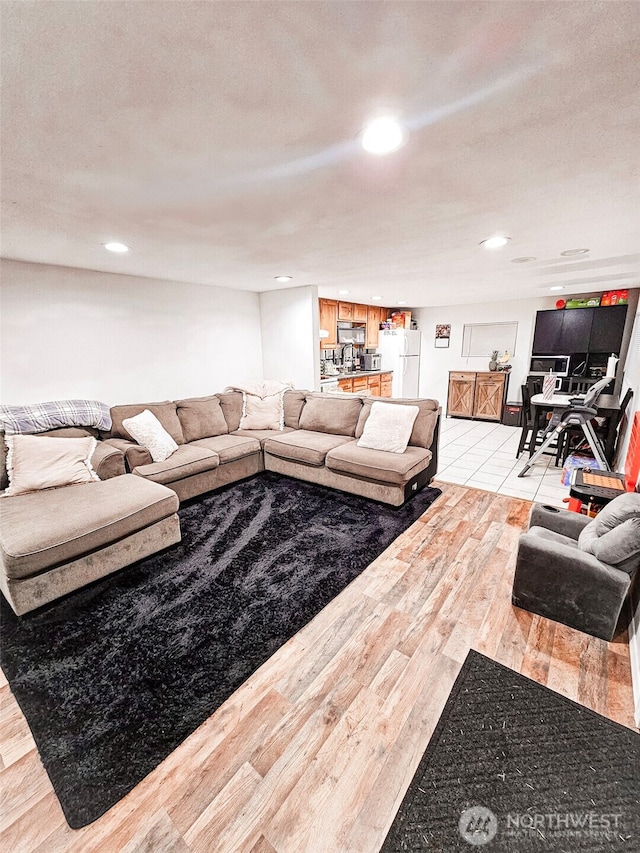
(483, 454)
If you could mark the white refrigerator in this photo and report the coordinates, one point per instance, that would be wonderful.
(400, 352)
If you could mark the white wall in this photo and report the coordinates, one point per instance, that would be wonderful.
(290, 336)
(68, 333)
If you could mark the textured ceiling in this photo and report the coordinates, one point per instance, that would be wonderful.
(218, 139)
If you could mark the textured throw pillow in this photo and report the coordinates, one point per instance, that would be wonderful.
(149, 432)
(614, 534)
(262, 412)
(388, 427)
(35, 462)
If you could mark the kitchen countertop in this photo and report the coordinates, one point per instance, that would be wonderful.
(353, 374)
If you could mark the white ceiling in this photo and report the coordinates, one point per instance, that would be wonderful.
(218, 139)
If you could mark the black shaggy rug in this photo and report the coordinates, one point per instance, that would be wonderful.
(517, 767)
(113, 677)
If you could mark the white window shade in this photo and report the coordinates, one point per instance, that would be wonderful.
(481, 339)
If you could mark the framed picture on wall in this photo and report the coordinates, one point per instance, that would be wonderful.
(443, 334)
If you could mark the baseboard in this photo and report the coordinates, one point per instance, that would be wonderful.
(634, 654)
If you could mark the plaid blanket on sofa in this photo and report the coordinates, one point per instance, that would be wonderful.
(41, 417)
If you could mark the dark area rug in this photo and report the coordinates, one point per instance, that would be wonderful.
(113, 677)
(514, 766)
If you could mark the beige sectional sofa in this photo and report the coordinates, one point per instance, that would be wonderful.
(57, 540)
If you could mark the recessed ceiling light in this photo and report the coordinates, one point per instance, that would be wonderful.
(383, 135)
(377, 298)
(343, 292)
(521, 260)
(568, 252)
(557, 287)
(116, 247)
(401, 303)
(283, 277)
(495, 242)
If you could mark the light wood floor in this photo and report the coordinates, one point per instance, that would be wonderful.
(315, 751)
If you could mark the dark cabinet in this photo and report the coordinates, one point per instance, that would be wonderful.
(547, 338)
(579, 330)
(607, 329)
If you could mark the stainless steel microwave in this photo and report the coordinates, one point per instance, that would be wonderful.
(558, 364)
(351, 334)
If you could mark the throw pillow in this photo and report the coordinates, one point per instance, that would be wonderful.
(149, 432)
(35, 462)
(388, 427)
(614, 534)
(262, 412)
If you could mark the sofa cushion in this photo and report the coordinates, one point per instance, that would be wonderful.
(165, 412)
(304, 446)
(262, 412)
(378, 465)
(201, 417)
(73, 522)
(149, 432)
(423, 427)
(262, 434)
(35, 463)
(335, 415)
(293, 405)
(388, 427)
(614, 534)
(229, 447)
(185, 462)
(231, 405)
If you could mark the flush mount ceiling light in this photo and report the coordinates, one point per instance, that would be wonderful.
(495, 242)
(557, 287)
(521, 260)
(377, 298)
(283, 277)
(569, 252)
(383, 135)
(116, 247)
(401, 303)
(343, 292)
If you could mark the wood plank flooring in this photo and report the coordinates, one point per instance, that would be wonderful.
(316, 750)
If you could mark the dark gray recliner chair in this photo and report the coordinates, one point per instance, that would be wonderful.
(578, 570)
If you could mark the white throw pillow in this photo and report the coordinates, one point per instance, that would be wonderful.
(38, 462)
(388, 427)
(262, 412)
(149, 432)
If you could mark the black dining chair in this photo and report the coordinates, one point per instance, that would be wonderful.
(531, 426)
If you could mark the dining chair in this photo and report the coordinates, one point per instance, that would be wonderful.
(531, 426)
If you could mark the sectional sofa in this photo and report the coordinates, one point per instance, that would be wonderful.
(56, 540)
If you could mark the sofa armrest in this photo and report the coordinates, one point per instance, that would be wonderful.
(134, 454)
(562, 521)
(108, 461)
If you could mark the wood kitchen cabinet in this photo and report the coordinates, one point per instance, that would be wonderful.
(360, 383)
(345, 385)
(328, 309)
(373, 325)
(477, 395)
(373, 385)
(345, 311)
(385, 384)
(359, 313)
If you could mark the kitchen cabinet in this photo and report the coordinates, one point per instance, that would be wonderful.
(328, 309)
(373, 385)
(373, 325)
(477, 395)
(608, 328)
(359, 313)
(579, 330)
(385, 384)
(345, 385)
(345, 311)
(360, 383)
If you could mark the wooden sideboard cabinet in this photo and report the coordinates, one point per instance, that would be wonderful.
(477, 395)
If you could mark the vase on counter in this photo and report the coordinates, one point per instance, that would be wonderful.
(493, 364)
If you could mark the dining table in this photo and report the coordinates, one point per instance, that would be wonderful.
(606, 406)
